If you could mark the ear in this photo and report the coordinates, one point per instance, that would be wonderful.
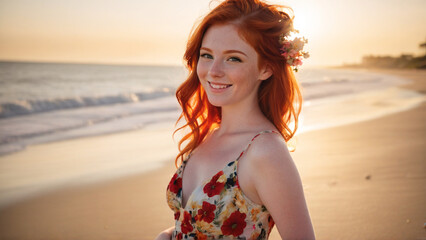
(265, 72)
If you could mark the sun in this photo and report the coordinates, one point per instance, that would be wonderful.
(308, 15)
(307, 20)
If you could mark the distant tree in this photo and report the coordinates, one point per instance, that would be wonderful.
(423, 45)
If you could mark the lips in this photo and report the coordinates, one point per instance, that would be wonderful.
(219, 85)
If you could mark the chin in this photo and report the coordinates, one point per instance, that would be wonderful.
(216, 103)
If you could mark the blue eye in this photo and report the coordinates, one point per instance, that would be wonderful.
(234, 59)
(206, 55)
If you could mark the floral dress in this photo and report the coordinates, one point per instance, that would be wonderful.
(218, 209)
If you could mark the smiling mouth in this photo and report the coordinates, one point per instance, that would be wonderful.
(219, 86)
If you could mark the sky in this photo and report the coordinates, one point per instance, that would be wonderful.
(155, 32)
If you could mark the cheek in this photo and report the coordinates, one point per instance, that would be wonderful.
(201, 70)
(246, 76)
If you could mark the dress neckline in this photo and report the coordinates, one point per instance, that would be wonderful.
(205, 181)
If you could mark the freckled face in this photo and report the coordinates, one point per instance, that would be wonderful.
(228, 67)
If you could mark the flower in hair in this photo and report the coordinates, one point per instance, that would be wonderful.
(292, 49)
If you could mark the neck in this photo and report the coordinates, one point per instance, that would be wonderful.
(238, 119)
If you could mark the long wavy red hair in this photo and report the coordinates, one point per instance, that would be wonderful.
(280, 99)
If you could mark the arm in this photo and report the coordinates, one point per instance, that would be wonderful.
(166, 234)
(279, 187)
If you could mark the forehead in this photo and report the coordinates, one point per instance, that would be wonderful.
(225, 37)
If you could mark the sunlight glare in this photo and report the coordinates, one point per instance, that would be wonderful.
(307, 20)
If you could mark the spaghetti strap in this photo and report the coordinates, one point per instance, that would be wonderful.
(219, 198)
(251, 141)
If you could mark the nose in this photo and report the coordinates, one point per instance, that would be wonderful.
(216, 69)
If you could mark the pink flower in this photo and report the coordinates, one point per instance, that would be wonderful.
(293, 53)
(292, 49)
(297, 62)
(287, 45)
(298, 44)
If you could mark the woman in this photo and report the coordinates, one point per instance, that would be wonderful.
(237, 178)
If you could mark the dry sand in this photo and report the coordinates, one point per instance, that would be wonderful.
(362, 181)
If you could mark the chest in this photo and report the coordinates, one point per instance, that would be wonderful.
(219, 208)
(202, 166)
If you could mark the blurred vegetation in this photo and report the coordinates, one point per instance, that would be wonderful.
(403, 61)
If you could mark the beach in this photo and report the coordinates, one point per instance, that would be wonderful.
(364, 180)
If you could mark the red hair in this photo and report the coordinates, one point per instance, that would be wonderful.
(279, 97)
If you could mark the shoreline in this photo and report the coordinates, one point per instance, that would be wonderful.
(362, 187)
(372, 102)
(36, 171)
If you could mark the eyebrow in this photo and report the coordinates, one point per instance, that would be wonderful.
(226, 52)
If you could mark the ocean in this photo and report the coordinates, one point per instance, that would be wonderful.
(46, 102)
(52, 102)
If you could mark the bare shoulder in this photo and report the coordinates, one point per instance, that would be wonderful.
(278, 186)
(269, 151)
(270, 161)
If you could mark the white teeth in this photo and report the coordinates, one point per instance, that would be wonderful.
(215, 86)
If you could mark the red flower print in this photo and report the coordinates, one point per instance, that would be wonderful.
(206, 213)
(179, 236)
(213, 187)
(237, 183)
(177, 215)
(271, 224)
(186, 225)
(175, 184)
(201, 236)
(235, 224)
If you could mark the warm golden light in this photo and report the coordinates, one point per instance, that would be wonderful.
(338, 31)
(308, 21)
